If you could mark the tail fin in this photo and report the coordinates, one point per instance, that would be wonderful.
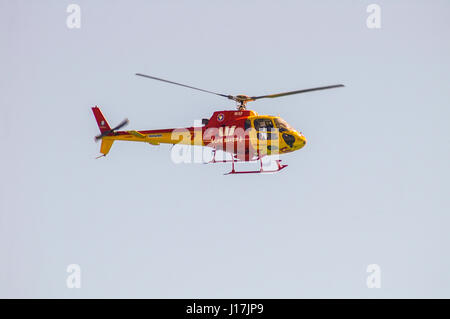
(101, 121)
(104, 127)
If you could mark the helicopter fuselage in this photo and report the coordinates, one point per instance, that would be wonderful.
(243, 133)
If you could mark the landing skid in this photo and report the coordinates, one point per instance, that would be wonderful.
(261, 170)
(235, 160)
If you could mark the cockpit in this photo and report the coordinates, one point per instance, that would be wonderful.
(268, 127)
(267, 124)
(282, 125)
(274, 128)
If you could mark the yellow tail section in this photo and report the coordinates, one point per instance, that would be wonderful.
(106, 146)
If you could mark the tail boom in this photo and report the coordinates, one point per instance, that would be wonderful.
(186, 136)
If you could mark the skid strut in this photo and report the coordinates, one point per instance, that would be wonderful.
(213, 160)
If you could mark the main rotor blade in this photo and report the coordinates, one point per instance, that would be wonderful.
(187, 86)
(297, 92)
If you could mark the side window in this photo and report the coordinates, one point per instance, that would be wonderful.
(266, 129)
(267, 136)
(247, 124)
(263, 124)
(274, 134)
(262, 136)
(281, 124)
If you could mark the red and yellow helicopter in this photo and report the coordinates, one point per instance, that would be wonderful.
(244, 134)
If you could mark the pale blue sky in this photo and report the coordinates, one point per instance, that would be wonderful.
(371, 186)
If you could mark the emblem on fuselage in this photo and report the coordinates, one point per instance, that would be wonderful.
(220, 117)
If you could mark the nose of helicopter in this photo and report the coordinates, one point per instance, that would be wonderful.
(300, 141)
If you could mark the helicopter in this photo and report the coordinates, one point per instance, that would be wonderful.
(241, 133)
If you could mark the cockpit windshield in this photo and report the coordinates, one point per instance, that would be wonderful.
(282, 125)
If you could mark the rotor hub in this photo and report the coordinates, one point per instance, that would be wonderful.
(241, 101)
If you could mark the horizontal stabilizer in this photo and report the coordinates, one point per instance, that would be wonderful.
(136, 134)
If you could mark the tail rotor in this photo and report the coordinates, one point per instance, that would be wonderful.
(107, 132)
